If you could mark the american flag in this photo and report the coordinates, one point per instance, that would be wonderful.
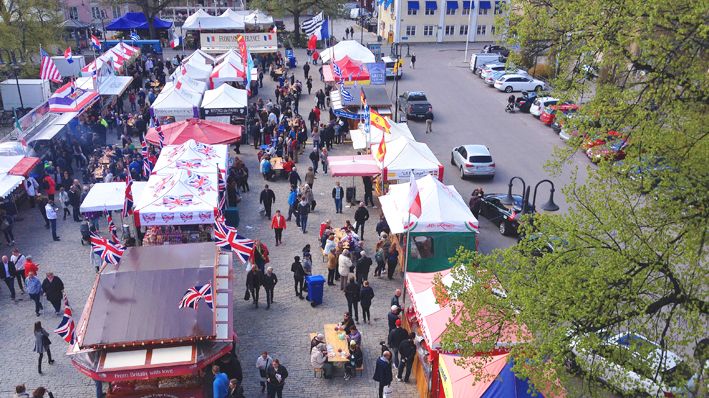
(147, 167)
(128, 201)
(66, 328)
(108, 251)
(112, 228)
(47, 68)
(228, 238)
(191, 297)
(222, 189)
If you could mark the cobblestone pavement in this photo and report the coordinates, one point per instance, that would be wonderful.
(283, 330)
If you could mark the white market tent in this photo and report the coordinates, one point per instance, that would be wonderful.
(232, 56)
(194, 70)
(109, 196)
(193, 156)
(442, 205)
(359, 137)
(201, 20)
(225, 96)
(257, 18)
(199, 56)
(180, 198)
(350, 48)
(198, 86)
(227, 72)
(109, 86)
(178, 103)
(404, 156)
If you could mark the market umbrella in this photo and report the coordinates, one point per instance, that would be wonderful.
(204, 131)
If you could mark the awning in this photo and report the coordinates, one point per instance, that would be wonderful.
(485, 5)
(451, 5)
(468, 4)
(113, 85)
(9, 183)
(24, 166)
(352, 166)
(431, 5)
(48, 133)
(413, 5)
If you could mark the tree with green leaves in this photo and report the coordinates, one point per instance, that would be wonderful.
(631, 252)
(151, 9)
(297, 8)
(26, 24)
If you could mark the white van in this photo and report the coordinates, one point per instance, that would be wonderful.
(478, 60)
(390, 62)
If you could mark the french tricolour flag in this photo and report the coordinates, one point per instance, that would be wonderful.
(176, 41)
(67, 55)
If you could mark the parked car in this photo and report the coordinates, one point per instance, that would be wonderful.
(518, 82)
(599, 139)
(473, 160)
(524, 101)
(414, 104)
(491, 48)
(496, 75)
(611, 150)
(389, 63)
(507, 217)
(549, 112)
(539, 104)
(635, 366)
(487, 69)
(477, 61)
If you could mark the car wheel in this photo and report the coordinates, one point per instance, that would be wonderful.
(452, 160)
(503, 228)
(462, 174)
(508, 89)
(538, 88)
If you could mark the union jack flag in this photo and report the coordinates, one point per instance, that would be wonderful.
(172, 202)
(108, 251)
(144, 151)
(228, 238)
(199, 181)
(222, 189)
(66, 329)
(161, 136)
(191, 297)
(147, 167)
(112, 228)
(128, 201)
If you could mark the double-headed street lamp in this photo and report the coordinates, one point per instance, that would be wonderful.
(548, 206)
(16, 67)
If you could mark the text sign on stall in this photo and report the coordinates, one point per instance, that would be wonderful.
(377, 73)
(255, 42)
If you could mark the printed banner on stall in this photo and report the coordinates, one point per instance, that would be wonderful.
(377, 73)
(404, 174)
(347, 115)
(255, 42)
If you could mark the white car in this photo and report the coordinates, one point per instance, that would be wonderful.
(539, 104)
(517, 82)
(473, 160)
(487, 69)
(673, 379)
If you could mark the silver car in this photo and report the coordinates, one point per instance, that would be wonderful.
(473, 160)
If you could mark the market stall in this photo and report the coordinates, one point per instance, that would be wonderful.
(195, 70)
(176, 104)
(404, 156)
(202, 131)
(352, 72)
(133, 335)
(200, 57)
(446, 224)
(201, 20)
(347, 48)
(193, 156)
(69, 98)
(353, 166)
(396, 130)
(351, 109)
(225, 104)
(227, 72)
(109, 196)
(186, 82)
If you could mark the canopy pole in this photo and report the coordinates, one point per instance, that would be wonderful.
(406, 246)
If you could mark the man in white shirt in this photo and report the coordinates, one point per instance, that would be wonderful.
(19, 259)
(31, 186)
(262, 363)
(52, 217)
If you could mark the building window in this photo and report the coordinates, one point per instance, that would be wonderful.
(413, 11)
(492, 29)
(482, 11)
(411, 30)
(463, 29)
(73, 13)
(450, 11)
(96, 12)
(116, 11)
(430, 11)
(466, 11)
(482, 29)
(428, 30)
(422, 247)
(450, 30)
(498, 7)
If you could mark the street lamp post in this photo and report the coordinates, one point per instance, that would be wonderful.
(549, 205)
(526, 194)
(15, 67)
(509, 200)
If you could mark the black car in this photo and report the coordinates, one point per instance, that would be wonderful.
(415, 104)
(525, 101)
(506, 216)
(492, 49)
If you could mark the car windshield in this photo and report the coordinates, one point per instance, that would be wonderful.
(480, 159)
(417, 97)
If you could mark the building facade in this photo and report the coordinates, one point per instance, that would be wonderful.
(439, 21)
(96, 13)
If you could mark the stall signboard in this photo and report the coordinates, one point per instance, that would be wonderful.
(404, 174)
(264, 42)
(377, 73)
(240, 112)
(347, 115)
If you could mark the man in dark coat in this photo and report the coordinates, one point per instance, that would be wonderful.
(361, 216)
(294, 178)
(396, 336)
(368, 191)
(276, 375)
(7, 273)
(269, 282)
(253, 284)
(382, 372)
(407, 350)
(362, 267)
(54, 290)
(267, 198)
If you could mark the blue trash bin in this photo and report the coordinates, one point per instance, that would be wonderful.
(291, 62)
(315, 285)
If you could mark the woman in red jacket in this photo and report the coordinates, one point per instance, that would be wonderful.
(278, 224)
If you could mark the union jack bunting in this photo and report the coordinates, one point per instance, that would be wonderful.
(112, 228)
(228, 238)
(192, 296)
(222, 189)
(108, 251)
(144, 151)
(128, 200)
(67, 329)
(147, 167)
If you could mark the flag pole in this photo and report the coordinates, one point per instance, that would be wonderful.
(407, 243)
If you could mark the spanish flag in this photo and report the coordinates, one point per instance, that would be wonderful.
(362, 98)
(375, 119)
(381, 150)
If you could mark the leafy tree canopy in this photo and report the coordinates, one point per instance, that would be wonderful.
(25, 24)
(297, 8)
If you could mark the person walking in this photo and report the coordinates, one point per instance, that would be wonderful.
(338, 193)
(331, 267)
(298, 276)
(309, 84)
(392, 262)
(292, 203)
(276, 376)
(407, 350)
(306, 71)
(310, 177)
(352, 297)
(34, 289)
(429, 121)
(382, 372)
(64, 202)
(7, 273)
(53, 288)
(253, 284)
(41, 345)
(260, 257)
(366, 294)
(19, 260)
(267, 198)
(344, 263)
(75, 202)
(396, 336)
(368, 191)
(413, 60)
(42, 206)
(51, 212)
(269, 281)
(294, 177)
(361, 216)
(263, 362)
(364, 263)
(235, 389)
(278, 224)
(303, 210)
(220, 385)
(323, 159)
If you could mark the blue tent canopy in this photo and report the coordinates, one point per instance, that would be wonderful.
(508, 385)
(136, 21)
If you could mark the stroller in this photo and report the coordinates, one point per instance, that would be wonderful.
(85, 232)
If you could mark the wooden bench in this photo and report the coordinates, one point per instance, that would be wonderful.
(316, 371)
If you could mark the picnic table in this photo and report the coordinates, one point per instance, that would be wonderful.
(337, 349)
(277, 163)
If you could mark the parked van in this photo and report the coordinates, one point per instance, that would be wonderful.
(478, 60)
(390, 62)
